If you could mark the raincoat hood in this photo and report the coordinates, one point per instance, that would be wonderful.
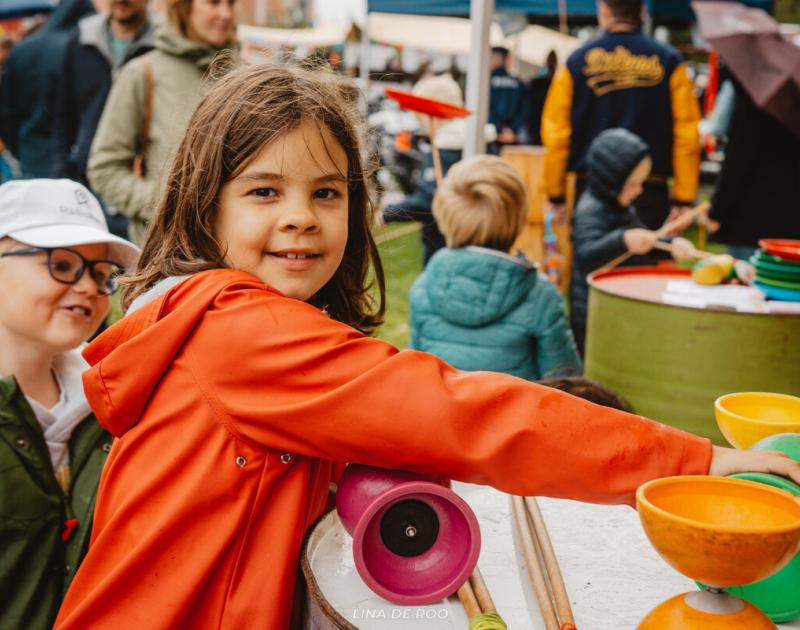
(157, 328)
(612, 157)
(474, 286)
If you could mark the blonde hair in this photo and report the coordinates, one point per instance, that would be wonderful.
(481, 202)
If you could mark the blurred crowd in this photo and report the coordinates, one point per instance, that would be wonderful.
(60, 116)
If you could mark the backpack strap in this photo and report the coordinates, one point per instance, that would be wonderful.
(140, 159)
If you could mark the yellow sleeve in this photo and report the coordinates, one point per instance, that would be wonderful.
(685, 136)
(557, 132)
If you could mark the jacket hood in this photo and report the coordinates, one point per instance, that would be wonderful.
(67, 13)
(611, 158)
(157, 330)
(93, 31)
(171, 43)
(474, 286)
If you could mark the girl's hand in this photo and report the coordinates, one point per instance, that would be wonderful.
(727, 461)
(639, 240)
(683, 249)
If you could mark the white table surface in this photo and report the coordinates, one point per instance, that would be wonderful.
(612, 574)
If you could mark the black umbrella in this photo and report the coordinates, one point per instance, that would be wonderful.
(763, 61)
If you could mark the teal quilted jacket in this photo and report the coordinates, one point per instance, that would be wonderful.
(482, 309)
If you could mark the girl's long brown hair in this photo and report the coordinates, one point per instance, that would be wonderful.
(247, 109)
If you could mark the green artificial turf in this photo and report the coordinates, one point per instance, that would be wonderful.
(402, 263)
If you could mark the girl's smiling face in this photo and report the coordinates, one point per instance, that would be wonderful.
(284, 218)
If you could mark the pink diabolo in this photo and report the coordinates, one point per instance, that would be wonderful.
(415, 541)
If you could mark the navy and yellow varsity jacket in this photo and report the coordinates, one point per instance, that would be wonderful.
(623, 78)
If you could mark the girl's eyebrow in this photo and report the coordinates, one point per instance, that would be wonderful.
(262, 176)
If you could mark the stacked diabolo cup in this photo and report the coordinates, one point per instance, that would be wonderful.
(766, 422)
(777, 265)
(722, 532)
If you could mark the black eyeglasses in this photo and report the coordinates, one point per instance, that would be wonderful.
(67, 266)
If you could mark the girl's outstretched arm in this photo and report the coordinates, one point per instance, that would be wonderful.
(277, 373)
(280, 373)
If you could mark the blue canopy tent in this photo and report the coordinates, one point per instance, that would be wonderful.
(660, 10)
(20, 8)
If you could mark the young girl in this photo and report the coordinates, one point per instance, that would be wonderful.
(242, 373)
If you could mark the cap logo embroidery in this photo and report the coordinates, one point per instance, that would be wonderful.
(81, 197)
(80, 212)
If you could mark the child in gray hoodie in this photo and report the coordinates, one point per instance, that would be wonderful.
(606, 224)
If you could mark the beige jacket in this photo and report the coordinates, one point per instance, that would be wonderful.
(179, 69)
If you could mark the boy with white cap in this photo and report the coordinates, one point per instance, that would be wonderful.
(58, 265)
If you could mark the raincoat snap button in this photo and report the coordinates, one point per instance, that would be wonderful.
(106, 447)
(241, 462)
(21, 442)
(286, 458)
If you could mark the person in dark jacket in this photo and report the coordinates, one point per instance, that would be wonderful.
(758, 190)
(54, 249)
(507, 94)
(624, 78)
(606, 223)
(476, 305)
(94, 55)
(28, 91)
(537, 93)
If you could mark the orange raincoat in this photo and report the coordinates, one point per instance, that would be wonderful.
(230, 402)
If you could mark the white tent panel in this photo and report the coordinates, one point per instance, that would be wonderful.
(320, 36)
(534, 44)
(447, 35)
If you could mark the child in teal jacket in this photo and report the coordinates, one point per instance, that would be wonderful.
(477, 306)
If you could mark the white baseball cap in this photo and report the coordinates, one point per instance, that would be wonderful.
(59, 213)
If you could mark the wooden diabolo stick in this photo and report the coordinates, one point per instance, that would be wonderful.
(550, 562)
(437, 159)
(468, 600)
(684, 220)
(532, 564)
(679, 223)
(482, 592)
(667, 247)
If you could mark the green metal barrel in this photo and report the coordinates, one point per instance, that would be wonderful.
(672, 362)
